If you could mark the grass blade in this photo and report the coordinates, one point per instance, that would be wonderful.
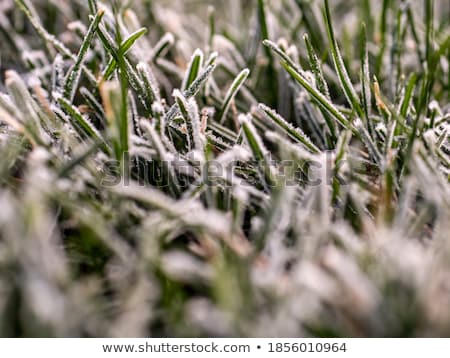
(73, 77)
(80, 121)
(293, 70)
(260, 152)
(321, 82)
(339, 65)
(232, 91)
(195, 64)
(294, 133)
(193, 89)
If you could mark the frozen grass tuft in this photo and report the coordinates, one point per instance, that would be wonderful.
(279, 170)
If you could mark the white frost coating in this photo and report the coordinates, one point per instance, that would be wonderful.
(294, 132)
(157, 107)
(381, 127)
(199, 138)
(189, 212)
(196, 156)
(434, 106)
(149, 81)
(235, 153)
(431, 137)
(198, 54)
(6, 102)
(190, 112)
(298, 150)
(184, 267)
(358, 123)
(166, 41)
(223, 45)
(77, 26)
(33, 81)
(241, 153)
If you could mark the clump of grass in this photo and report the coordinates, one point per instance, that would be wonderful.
(166, 172)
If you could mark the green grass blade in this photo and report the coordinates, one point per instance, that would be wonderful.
(125, 46)
(321, 82)
(407, 98)
(149, 81)
(263, 26)
(162, 46)
(339, 65)
(295, 133)
(48, 38)
(259, 151)
(316, 68)
(128, 43)
(193, 89)
(195, 64)
(73, 77)
(80, 121)
(366, 98)
(232, 91)
(311, 22)
(189, 111)
(165, 157)
(293, 70)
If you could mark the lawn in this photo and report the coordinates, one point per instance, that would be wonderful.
(241, 168)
